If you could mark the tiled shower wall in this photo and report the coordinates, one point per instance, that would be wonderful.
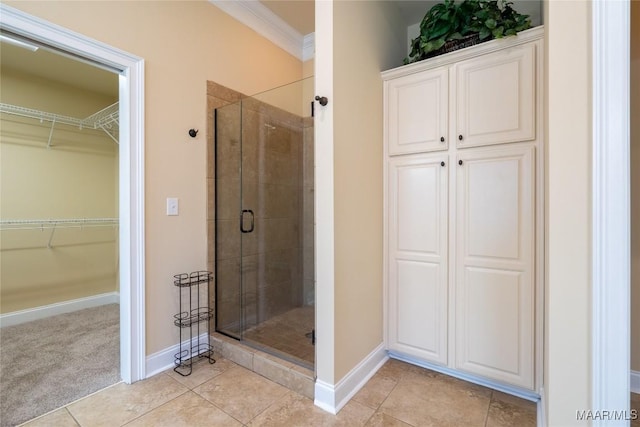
(277, 258)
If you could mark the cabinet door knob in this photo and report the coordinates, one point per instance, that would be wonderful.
(460, 162)
(442, 139)
(460, 137)
(441, 163)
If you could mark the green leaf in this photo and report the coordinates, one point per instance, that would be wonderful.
(432, 45)
(442, 30)
(454, 19)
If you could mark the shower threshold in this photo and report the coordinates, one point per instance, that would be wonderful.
(287, 373)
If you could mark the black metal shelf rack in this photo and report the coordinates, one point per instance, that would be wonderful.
(193, 320)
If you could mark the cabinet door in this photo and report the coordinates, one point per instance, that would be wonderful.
(495, 98)
(494, 263)
(417, 111)
(417, 215)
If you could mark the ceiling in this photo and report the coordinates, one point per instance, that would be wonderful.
(300, 14)
(51, 65)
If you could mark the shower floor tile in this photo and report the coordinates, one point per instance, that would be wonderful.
(286, 333)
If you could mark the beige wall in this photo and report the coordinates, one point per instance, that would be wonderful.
(308, 68)
(368, 38)
(184, 44)
(567, 374)
(635, 185)
(75, 178)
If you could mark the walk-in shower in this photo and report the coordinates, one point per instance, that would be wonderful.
(264, 260)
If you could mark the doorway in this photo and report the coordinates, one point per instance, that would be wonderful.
(59, 255)
(131, 170)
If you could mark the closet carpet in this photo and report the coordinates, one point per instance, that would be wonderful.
(48, 363)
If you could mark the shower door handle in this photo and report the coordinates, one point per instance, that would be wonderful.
(249, 211)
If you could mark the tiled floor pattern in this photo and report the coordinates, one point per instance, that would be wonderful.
(226, 394)
(287, 333)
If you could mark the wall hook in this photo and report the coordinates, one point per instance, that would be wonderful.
(322, 100)
(193, 133)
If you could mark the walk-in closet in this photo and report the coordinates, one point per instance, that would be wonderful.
(59, 303)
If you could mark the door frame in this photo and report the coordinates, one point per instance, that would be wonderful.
(131, 171)
(610, 207)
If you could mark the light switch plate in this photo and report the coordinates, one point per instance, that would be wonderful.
(172, 206)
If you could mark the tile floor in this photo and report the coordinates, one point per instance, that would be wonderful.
(286, 333)
(226, 394)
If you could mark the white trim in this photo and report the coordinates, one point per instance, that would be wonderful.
(44, 311)
(263, 21)
(309, 47)
(333, 398)
(324, 200)
(513, 390)
(610, 207)
(131, 190)
(164, 359)
(635, 381)
(541, 411)
(324, 396)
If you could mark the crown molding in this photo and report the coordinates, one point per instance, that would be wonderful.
(309, 47)
(262, 20)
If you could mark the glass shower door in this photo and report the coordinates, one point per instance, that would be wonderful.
(270, 281)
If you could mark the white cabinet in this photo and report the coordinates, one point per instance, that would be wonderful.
(485, 100)
(494, 252)
(495, 97)
(464, 221)
(418, 206)
(417, 111)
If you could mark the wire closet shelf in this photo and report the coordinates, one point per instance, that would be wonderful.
(56, 224)
(46, 224)
(106, 119)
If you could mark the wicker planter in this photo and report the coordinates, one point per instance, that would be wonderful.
(452, 45)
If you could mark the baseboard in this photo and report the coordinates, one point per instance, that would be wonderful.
(164, 359)
(332, 398)
(635, 382)
(22, 316)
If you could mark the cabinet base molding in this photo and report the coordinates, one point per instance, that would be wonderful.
(515, 391)
(541, 413)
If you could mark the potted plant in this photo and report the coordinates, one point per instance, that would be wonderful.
(450, 26)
